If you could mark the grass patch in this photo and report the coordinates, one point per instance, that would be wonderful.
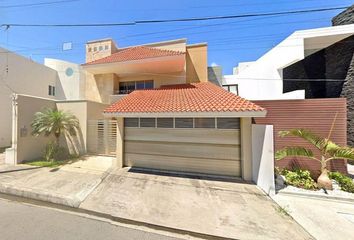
(43, 163)
(283, 210)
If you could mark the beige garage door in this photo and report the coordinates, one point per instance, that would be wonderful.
(200, 148)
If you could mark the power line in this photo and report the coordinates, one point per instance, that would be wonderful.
(240, 16)
(175, 20)
(36, 4)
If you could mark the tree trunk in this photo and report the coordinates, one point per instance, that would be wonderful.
(323, 181)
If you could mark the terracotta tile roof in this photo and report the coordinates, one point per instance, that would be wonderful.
(195, 97)
(135, 53)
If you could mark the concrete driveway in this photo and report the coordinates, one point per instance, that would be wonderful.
(227, 209)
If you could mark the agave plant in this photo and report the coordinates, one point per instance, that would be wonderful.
(54, 122)
(328, 151)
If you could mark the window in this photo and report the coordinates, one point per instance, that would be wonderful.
(204, 122)
(169, 122)
(165, 122)
(131, 122)
(106, 47)
(89, 49)
(148, 122)
(183, 122)
(140, 85)
(128, 87)
(51, 90)
(95, 49)
(100, 48)
(149, 84)
(228, 123)
(231, 88)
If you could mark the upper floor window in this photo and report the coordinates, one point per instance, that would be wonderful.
(106, 47)
(128, 87)
(95, 49)
(100, 48)
(233, 88)
(89, 49)
(51, 90)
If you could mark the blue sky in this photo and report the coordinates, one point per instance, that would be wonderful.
(229, 41)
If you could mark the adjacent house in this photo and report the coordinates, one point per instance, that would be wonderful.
(22, 76)
(302, 55)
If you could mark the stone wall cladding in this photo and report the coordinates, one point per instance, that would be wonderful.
(345, 17)
(348, 92)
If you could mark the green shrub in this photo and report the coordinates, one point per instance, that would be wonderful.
(53, 152)
(299, 178)
(345, 182)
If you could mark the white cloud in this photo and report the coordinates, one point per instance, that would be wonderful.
(214, 64)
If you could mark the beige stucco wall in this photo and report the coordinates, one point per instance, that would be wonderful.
(30, 147)
(99, 87)
(98, 54)
(24, 76)
(246, 148)
(197, 63)
(178, 45)
(84, 111)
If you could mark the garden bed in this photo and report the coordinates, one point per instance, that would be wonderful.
(336, 193)
(299, 182)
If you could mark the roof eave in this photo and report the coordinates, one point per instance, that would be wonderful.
(260, 113)
(142, 60)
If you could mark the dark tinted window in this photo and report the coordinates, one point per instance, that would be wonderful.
(131, 122)
(228, 123)
(149, 84)
(204, 122)
(165, 122)
(147, 122)
(183, 122)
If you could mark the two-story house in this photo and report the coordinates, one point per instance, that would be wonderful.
(168, 115)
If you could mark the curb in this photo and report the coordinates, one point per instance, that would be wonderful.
(66, 207)
(39, 195)
(321, 197)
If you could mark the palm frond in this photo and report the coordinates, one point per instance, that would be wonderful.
(54, 122)
(341, 153)
(307, 135)
(294, 152)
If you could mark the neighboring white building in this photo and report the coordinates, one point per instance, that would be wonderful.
(71, 79)
(23, 76)
(262, 79)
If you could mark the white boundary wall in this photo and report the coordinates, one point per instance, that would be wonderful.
(263, 157)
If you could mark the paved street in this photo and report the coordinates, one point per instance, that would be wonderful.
(20, 221)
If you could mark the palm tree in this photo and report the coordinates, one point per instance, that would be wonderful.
(328, 151)
(54, 122)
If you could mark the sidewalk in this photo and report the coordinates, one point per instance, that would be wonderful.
(68, 185)
(322, 218)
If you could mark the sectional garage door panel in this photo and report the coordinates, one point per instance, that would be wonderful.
(181, 164)
(209, 151)
(193, 150)
(193, 135)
